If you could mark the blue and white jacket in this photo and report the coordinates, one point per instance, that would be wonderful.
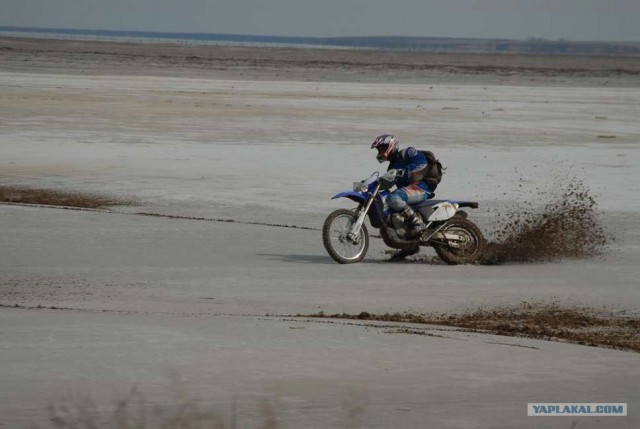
(413, 162)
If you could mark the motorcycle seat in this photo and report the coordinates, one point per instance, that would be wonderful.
(461, 204)
(427, 203)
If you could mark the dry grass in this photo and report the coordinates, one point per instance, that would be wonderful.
(49, 197)
(135, 412)
(540, 321)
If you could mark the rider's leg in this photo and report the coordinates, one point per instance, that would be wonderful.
(411, 194)
(400, 199)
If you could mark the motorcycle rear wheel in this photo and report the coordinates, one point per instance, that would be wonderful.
(468, 251)
(335, 240)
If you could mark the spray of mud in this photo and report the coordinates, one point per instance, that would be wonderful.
(567, 226)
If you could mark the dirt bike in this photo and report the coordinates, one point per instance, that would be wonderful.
(456, 239)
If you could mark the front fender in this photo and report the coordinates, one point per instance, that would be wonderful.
(358, 197)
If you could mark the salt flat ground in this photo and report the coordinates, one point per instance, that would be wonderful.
(143, 297)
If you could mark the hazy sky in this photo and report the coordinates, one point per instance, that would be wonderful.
(551, 19)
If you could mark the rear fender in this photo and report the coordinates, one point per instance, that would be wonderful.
(443, 211)
(470, 204)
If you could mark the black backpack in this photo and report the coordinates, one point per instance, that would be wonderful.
(432, 174)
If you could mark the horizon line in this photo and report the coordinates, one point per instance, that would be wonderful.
(308, 38)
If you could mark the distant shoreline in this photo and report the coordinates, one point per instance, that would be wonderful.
(305, 64)
(534, 46)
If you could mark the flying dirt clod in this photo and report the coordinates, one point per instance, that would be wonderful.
(568, 226)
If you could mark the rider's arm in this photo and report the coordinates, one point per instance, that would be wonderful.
(415, 163)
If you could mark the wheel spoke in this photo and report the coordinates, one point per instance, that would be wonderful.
(338, 232)
(335, 236)
(468, 243)
(467, 246)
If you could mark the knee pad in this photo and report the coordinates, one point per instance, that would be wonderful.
(396, 202)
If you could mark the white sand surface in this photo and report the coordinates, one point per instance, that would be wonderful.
(146, 296)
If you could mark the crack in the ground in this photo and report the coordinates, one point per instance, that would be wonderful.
(162, 215)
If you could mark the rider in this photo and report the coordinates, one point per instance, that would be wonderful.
(411, 189)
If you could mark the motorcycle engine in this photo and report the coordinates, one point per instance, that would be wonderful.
(397, 221)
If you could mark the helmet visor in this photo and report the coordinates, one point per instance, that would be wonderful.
(385, 150)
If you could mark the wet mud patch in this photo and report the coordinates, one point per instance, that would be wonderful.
(50, 197)
(544, 321)
(568, 225)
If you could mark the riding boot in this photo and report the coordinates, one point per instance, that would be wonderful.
(401, 254)
(417, 225)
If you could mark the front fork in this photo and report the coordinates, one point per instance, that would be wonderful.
(354, 232)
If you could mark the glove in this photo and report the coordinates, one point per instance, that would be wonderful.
(391, 175)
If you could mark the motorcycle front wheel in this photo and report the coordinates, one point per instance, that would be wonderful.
(468, 249)
(335, 238)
